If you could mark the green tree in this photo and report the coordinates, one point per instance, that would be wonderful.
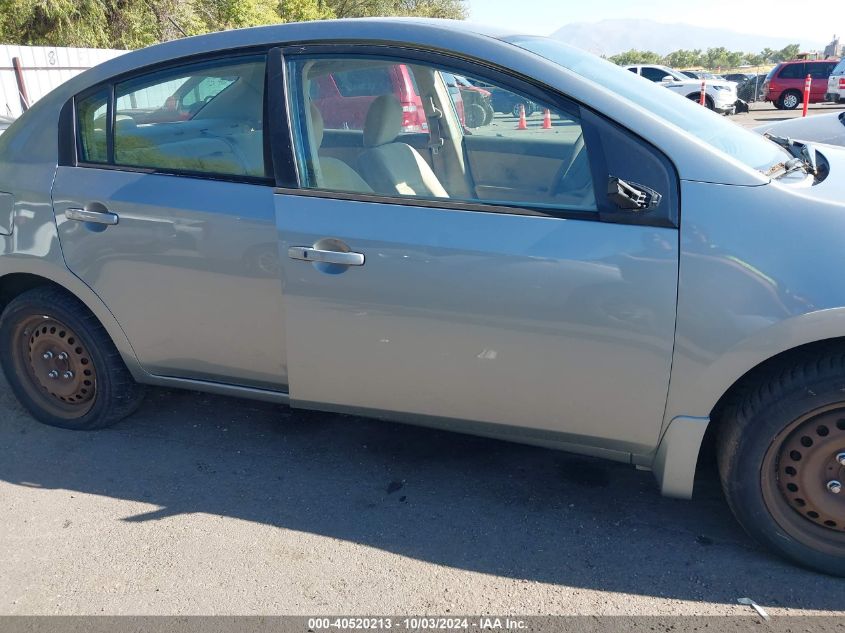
(716, 57)
(683, 58)
(634, 56)
(786, 53)
(454, 9)
(137, 23)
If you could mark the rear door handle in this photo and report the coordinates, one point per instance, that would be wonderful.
(308, 254)
(97, 217)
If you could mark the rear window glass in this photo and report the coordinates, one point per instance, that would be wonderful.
(364, 82)
(840, 68)
(91, 123)
(792, 71)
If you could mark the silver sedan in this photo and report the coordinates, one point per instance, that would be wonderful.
(311, 214)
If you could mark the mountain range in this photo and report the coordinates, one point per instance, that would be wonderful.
(609, 37)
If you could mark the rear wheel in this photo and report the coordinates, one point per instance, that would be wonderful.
(488, 114)
(781, 452)
(61, 363)
(790, 100)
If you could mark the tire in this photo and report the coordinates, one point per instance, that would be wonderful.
(474, 115)
(779, 447)
(790, 100)
(696, 96)
(488, 114)
(62, 365)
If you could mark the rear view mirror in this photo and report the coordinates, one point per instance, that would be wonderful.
(666, 78)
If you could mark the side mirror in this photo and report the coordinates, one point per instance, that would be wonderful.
(666, 78)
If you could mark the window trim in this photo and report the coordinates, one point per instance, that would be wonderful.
(69, 148)
(506, 78)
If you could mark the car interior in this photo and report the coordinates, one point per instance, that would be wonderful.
(157, 127)
(498, 163)
(211, 121)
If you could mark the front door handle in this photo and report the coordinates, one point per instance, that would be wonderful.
(309, 254)
(96, 217)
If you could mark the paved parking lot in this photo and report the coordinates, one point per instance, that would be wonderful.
(763, 113)
(210, 505)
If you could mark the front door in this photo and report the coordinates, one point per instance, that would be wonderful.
(168, 217)
(509, 302)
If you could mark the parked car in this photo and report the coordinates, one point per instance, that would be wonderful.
(619, 286)
(344, 97)
(477, 102)
(836, 84)
(505, 101)
(752, 90)
(5, 122)
(784, 85)
(738, 78)
(700, 74)
(719, 95)
(821, 128)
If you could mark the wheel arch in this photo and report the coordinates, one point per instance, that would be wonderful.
(27, 277)
(698, 414)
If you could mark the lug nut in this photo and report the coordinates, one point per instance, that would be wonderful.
(834, 486)
(841, 459)
(67, 375)
(62, 356)
(47, 355)
(53, 374)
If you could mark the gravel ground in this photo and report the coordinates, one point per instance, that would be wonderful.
(208, 505)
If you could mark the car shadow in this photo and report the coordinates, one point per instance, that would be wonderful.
(465, 502)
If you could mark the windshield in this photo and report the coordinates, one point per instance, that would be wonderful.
(674, 74)
(715, 130)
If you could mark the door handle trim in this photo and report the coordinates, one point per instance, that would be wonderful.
(309, 254)
(97, 217)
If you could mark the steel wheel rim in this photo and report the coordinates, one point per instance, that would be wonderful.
(55, 366)
(798, 470)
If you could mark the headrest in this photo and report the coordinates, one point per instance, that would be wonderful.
(384, 121)
(317, 125)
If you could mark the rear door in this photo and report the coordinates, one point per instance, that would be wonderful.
(523, 300)
(819, 74)
(165, 209)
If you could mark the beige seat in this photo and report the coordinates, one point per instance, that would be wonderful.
(334, 173)
(389, 167)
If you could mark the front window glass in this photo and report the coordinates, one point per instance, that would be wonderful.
(381, 135)
(715, 130)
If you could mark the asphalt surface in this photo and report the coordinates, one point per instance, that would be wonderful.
(762, 113)
(208, 505)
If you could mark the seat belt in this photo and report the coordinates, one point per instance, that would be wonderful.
(435, 139)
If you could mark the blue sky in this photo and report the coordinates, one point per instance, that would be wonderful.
(781, 18)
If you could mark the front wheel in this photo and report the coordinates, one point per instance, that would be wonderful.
(781, 453)
(696, 96)
(61, 363)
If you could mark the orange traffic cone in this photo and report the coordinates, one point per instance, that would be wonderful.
(547, 119)
(523, 124)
